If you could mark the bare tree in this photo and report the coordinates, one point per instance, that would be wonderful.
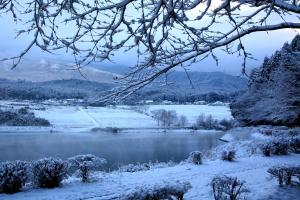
(182, 121)
(157, 115)
(165, 33)
(166, 118)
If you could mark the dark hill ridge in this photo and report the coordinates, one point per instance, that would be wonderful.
(204, 82)
(179, 88)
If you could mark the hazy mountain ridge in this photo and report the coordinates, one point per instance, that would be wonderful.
(53, 70)
(46, 80)
(202, 82)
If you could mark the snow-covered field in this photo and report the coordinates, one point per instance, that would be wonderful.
(79, 118)
(62, 117)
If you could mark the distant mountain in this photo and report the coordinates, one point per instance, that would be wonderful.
(198, 86)
(56, 89)
(203, 82)
(49, 79)
(50, 70)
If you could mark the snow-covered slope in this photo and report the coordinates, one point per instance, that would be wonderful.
(46, 70)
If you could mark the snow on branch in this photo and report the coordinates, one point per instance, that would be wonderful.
(165, 33)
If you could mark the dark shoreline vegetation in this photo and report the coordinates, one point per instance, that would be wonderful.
(21, 117)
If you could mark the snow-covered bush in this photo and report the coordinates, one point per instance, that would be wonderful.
(227, 124)
(146, 166)
(49, 172)
(280, 146)
(284, 174)
(23, 110)
(84, 164)
(266, 149)
(135, 168)
(225, 187)
(167, 191)
(297, 174)
(195, 157)
(13, 176)
(295, 144)
(228, 155)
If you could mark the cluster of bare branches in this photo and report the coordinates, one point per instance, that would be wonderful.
(165, 33)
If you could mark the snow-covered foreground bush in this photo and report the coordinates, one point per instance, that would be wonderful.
(174, 191)
(295, 144)
(49, 172)
(195, 157)
(225, 187)
(285, 174)
(135, 168)
(281, 146)
(228, 155)
(13, 176)
(84, 164)
(145, 166)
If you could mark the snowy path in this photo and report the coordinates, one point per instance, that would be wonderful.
(96, 124)
(253, 170)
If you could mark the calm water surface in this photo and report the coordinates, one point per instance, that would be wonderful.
(119, 149)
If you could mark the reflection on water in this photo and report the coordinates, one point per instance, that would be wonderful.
(119, 149)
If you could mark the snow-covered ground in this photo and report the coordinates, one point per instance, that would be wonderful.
(62, 117)
(113, 185)
(123, 116)
(78, 118)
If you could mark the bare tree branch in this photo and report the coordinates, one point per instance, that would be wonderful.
(166, 33)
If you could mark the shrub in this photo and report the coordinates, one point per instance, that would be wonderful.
(135, 168)
(49, 172)
(284, 174)
(225, 187)
(226, 124)
(266, 149)
(13, 176)
(169, 191)
(84, 164)
(280, 146)
(195, 157)
(114, 130)
(297, 174)
(277, 172)
(23, 111)
(228, 155)
(295, 144)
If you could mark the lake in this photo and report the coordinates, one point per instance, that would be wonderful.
(119, 149)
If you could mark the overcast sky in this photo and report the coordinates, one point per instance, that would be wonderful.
(259, 44)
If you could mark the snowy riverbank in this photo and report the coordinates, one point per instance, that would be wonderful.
(250, 166)
(253, 170)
